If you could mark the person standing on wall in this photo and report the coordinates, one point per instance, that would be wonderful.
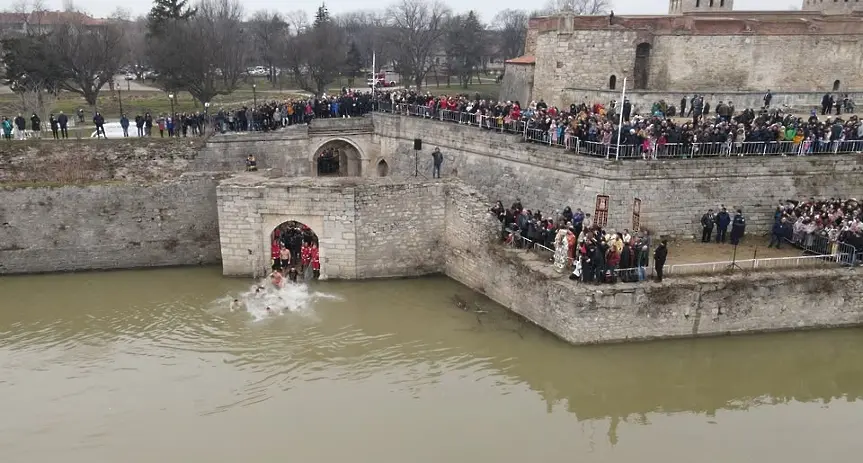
(659, 257)
(723, 220)
(707, 222)
(437, 157)
(738, 227)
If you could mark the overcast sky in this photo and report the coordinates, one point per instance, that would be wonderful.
(486, 8)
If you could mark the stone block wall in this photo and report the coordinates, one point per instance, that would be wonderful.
(286, 150)
(517, 83)
(692, 307)
(109, 226)
(674, 193)
(366, 228)
(250, 208)
(399, 229)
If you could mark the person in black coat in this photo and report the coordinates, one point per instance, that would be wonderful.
(63, 120)
(36, 125)
(659, 257)
(738, 227)
(55, 127)
(723, 220)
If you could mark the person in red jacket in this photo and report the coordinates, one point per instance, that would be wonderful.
(315, 257)
(274, 253)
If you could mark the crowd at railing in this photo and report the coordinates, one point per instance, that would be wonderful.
(593, 130)
(822, 227)
(830, 233)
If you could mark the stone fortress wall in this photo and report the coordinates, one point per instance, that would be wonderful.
(707, 50)
(673, 193)
(367, 228)
(108, 226)
(406, 226)
(693, 307)
(141, 180)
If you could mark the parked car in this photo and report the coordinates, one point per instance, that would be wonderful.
(130, 76)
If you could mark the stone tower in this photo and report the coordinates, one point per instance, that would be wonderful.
(700, 6)
(832, 6)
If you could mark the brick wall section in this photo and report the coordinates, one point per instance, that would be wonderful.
(399, 229)
(696, 307)
(674, 193)
(48, 229)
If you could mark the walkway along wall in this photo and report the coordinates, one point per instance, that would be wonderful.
(673, 193)
(108, 226)
(691, 307)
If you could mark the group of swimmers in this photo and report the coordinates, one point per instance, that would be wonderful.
(294, 251)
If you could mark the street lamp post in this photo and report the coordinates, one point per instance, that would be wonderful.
(120, 98)
(255, 94)
(171, 97)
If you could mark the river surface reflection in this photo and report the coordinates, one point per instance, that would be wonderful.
(144, 366)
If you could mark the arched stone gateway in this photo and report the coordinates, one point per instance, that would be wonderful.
(338, 157)
(287, 240)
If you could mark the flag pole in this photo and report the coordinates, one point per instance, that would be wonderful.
(374, 75)
(620, 121)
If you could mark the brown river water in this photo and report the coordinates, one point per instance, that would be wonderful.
(152, 366)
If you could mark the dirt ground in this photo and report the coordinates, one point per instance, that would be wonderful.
(689, 252)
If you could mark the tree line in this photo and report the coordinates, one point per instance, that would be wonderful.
(205, 47)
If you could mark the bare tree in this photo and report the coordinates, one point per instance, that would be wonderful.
(368, 30)
(317, 55)
(298, 21)
(91, 54)
(418, 29)
(268, 31)
(203, 52)
(511, 26)
(579, 7)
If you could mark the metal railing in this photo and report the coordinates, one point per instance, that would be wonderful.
(650, 150)
(845, 255)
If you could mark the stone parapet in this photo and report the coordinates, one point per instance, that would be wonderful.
(690, 307)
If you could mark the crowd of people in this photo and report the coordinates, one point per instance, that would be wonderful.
(660, 132)
(295, 254)
(819, 225)
(585, 249)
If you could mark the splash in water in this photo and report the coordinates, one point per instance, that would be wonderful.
(291, 298)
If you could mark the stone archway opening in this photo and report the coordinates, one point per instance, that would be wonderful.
(383, 168)
(836, 85)
(286, 242)
(612, 82)
(337, 158)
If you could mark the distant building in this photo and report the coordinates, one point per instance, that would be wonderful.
(701, 46)
(43, 21)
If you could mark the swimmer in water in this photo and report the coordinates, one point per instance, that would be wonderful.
(277, 279)
(235, 305)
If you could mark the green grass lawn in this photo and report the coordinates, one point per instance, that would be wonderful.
(157, 102)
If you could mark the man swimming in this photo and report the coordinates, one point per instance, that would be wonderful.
(235, 305)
